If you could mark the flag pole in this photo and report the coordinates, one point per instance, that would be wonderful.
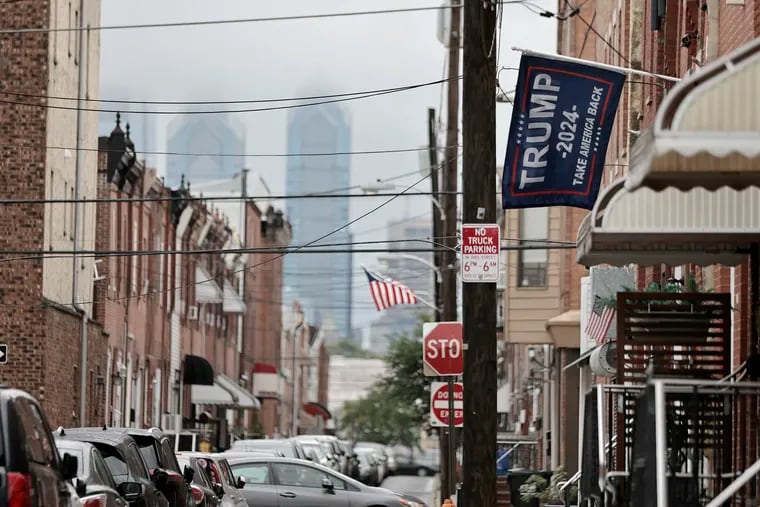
(570, 59)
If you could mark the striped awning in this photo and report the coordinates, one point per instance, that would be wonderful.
(647, 227)
(707, 130)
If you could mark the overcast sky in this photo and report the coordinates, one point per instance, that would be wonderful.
(293, 58)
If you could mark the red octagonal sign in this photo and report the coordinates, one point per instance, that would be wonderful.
(439, 404)
(442, 349)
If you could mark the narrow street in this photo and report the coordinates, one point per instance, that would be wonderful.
(424, 488)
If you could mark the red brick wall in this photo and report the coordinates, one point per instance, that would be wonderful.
(738, 25)
(22, 176)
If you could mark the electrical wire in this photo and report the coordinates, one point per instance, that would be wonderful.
(241, 20)
(226, 111)
(594, 30)
(262, 263)
(444, 79)
(227, 198)
(250, 155)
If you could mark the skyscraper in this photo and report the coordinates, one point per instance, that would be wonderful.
(220, 136)
(321, 282)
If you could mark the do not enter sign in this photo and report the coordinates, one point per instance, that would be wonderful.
(439, 404)
(442, 349)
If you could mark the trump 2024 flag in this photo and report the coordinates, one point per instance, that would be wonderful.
(562, 118)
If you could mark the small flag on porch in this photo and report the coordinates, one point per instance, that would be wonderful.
(600, 320)
(386, 292)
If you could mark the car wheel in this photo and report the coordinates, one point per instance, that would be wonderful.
(422, 472)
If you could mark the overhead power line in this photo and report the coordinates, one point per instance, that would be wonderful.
(234, 198)
(228, 111)
(279, 255)
(251, 155)
(219, 102)
(242, 20)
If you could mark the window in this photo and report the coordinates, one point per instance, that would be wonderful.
(148, 452)
(531, 264)
(303, 476)
(115, 463)
(100, 469)
(39, 448)
(254, 473)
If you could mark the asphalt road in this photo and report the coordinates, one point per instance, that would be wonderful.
(424, 488)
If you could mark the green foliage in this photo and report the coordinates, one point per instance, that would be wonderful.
(396, 407)
(349, 348)
(537, 487)
(689, 285)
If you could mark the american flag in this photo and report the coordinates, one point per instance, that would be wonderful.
(386, 292)
(600, 320)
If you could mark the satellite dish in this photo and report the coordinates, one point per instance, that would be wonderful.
(603, 360)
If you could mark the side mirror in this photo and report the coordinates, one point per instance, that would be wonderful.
(327, 485)
(130, 491)
(81, 488)
(240, 482)
(188, 474)
(160, 478)
(69, 466)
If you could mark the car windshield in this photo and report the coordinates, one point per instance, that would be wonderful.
(167, 456)
(315, 448)
(148, 451)
(116, 464)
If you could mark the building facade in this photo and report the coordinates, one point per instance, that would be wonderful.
(546, 371)
(218, 142)
(312, 278)
(46, 315)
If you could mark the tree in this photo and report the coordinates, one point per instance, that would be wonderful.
(349, 348)
(397, 406)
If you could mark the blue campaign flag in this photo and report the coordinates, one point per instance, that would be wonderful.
(562, 118)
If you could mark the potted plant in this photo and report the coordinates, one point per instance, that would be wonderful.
(547, 492)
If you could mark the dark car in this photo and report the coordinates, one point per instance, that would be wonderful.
(156, 449)
(126, 464)
(288, 447)
(30, 464)
(202, 485)
(94, 482)
(369, 470)
(226, 486)
(283, 482)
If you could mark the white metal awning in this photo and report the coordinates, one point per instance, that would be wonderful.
(211, 395)
(232, 303)
(244, 399)
(206, 289)
(672, 226)
(707, 131)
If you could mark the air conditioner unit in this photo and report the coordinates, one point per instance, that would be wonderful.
(192, 313)
(171, 422)
(603, 360)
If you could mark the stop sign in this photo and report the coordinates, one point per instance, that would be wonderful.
(442, 349)
(439, 404)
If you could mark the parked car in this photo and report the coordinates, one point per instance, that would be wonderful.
(332, 448)
(202, 486)
(225, 485)
(289, 448)
(417, 463)
(369, 469)
(94, 484)
(380, 454)
(156, 450)
(30, 464)
(284, 482)
(320, 452)
(126, 464)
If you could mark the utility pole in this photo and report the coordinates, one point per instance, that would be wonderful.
(449, 285)
(479, 299)
(435, 189)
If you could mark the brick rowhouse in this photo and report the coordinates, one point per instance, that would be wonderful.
(38, 321)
